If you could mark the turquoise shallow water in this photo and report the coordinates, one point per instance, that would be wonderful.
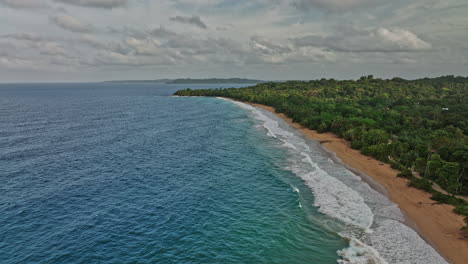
(109, 173)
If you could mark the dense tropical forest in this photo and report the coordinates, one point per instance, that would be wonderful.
(420, 127)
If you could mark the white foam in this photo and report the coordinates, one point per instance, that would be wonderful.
(332, 196)
(401, 244)
(360, 253)
(373, 224)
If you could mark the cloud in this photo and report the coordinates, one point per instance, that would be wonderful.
(35, 43)
(71, 24)
(111, 58)
(17, 64)
(372, 40)
(26, 51)
(162, 32)
(19, 4)
(25, 37)
(332, 5)
(255, 36)
(90, 41)
(107, 4)
(193, 20)
(147, 47)
(8, 48)
(267, 47)
(263, 50)
(126, 31)
(52, 48)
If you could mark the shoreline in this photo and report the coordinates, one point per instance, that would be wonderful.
(436, 223)
(379, 188)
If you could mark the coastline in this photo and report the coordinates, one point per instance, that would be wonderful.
(436, 223)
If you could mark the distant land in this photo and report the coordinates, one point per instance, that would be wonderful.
(191, 81)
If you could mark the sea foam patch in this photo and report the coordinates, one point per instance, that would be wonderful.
(373, 224)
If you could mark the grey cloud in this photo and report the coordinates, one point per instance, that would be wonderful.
(202, 46)
(27, 42)
(152, 41)
(17, 64)
(225, 27)
(97, 45)
(182, 48)
(90, 40)
(372, 40)
(8, 48)
(71, 24)
(263, 50)
(25, 36)
(127, 32)
(113, 30)
(54, 45)
(32, 52)
(40, 63)
(111, 58)
(193, 20)
(147, 47)
(186, 49)
(108, 4)
(18, 4)
(162, 33)
(332, 5)
(267, 47)
(52, 48)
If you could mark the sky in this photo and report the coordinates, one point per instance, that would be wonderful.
(97, 40)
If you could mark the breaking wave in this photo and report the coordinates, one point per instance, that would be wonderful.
(373, 225)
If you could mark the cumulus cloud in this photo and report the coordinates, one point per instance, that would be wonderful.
(18, 4)
(372, 40)
(71, 24)
(95, 3)
(191, 20)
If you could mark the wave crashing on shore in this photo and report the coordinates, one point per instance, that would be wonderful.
(373, 225)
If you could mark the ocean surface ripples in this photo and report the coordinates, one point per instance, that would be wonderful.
(106, 173)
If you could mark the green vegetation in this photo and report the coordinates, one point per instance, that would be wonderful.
(414, 125)
(422, 184)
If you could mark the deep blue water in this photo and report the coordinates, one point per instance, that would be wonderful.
(124, 173)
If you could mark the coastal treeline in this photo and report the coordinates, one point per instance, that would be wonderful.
(419, 127)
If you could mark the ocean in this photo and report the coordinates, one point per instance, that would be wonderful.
(126, 173)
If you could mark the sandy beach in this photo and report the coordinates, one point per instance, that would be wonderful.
(436, 223)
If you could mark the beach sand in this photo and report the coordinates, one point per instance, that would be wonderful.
(436, 223)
